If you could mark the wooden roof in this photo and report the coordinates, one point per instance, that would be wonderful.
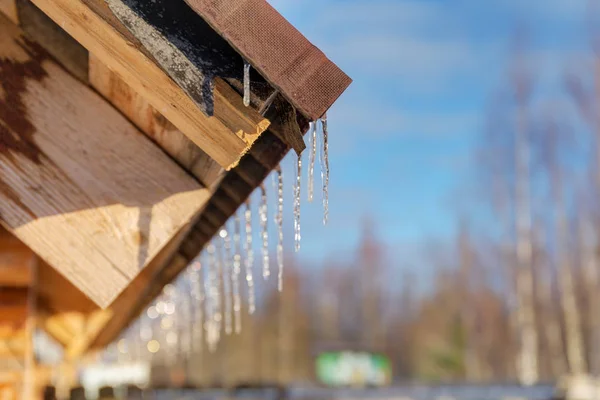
(111, 172)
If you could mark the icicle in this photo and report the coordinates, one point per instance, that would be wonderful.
(249, 262)
(213, 306)
(169, 324)
(325, 168)
(183, 327)
(246, 83)
(263, 211)
(279, 221)
(145, 335)
(198, 303)
(297, 193)
(225, 255)
(237, 263)
(311, 161)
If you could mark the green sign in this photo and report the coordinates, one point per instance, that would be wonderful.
(353, 369)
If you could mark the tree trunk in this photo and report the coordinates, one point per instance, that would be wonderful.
(590, 268)
(573, 335)
(527, 364)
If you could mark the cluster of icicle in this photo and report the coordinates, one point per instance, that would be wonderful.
(206, 301)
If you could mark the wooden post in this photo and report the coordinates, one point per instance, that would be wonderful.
(29, 388)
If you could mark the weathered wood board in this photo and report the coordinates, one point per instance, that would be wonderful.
(154, 124)
(79, 184)
(225, 137)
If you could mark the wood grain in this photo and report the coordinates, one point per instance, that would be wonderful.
(54, 39)
(221, 136)
(154, 124)
(79, 184)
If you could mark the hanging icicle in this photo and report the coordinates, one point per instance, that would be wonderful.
(263, 211)
(279, 221)
(213, 306)
(237, 263)
(197, 304)
(311, 161)
(297, 194)
(325, 168)
(168, 324)
(225, 255)
(249, 262)
(184, 327)
(145, 334)
(246, 83)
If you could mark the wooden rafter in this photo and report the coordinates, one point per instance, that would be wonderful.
(89, 194)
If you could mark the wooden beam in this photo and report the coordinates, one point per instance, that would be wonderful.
(56, 295)
(225, 136)
(79, 184)
(154, 124)
(9, 9)
(15, 261)
(94, 324)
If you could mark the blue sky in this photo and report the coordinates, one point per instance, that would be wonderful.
(403, 135)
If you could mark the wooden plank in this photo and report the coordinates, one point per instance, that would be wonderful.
(219, 136)
(154, 124)
(79, 184)
(15, 261)
(15, 346)
(9, 9)
(54, 326)
(66, 50)
(80, 343)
